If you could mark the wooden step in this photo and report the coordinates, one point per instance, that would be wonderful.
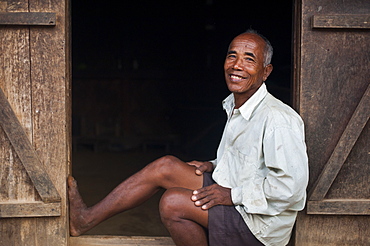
(101, 240)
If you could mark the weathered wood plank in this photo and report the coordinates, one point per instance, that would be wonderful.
(27, 18)
(331, 230)
(339, 207)
(15, 184)
(341, 21)
(50, 76)
(34, 209)
(119, 241)
(25, 151)
(15, 82)
(343, 148)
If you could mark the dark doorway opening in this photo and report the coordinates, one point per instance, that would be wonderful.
(148, 81)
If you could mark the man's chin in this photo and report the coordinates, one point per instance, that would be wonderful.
(235, 89)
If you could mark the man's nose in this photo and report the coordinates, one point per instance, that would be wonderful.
(237, 64)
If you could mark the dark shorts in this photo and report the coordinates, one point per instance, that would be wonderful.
(226, 226)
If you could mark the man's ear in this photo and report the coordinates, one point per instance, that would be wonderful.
(267, 71)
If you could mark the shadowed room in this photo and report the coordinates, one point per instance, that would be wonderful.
(148, 81)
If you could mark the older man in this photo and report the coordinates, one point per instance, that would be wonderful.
(250, 194)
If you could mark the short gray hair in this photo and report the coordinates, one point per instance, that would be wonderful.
(268, 49)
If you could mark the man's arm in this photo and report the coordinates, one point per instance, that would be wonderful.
(283, 185)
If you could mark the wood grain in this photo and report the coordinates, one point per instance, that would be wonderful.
(341, 21)
(26, 153)
(331, 79)
(119, 241)
(35, 80)
(34, 209)
(27, 18)
(345, 144)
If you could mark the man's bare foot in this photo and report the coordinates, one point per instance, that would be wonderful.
(78, 222)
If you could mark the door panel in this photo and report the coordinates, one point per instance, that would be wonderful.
(332, 47)
(35, 122)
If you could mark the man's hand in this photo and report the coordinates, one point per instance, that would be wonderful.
(212, 195)
(201, 166)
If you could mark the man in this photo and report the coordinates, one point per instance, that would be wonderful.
(250, 194)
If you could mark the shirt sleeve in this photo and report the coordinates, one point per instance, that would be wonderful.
(282, 184)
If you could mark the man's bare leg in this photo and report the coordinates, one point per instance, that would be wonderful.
(166, 172)
(185, 222)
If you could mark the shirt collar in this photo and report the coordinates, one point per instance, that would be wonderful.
(248, 107)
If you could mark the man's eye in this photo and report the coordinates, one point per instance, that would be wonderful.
(231, 56)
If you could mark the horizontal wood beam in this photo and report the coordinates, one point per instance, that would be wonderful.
(26, 153)
(28, 18)
(98, 240)
(339, 207)
(32, 209)
(341, 21)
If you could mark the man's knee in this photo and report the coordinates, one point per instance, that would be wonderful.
(173, 203)
(168, 160)
(166, 165)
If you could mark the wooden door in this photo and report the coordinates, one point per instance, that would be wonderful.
(332, 77)
(34, 122)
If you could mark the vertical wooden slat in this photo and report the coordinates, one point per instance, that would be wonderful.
(296, 86)
(49, 69)
(15, 81)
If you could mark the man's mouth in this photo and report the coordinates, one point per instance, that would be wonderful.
(236, 78)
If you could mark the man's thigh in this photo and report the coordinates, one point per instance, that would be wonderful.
(173, 172)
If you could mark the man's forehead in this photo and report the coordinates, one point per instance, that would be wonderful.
(246, 45)
(251, 41)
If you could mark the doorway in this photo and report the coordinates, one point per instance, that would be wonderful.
(148, 81)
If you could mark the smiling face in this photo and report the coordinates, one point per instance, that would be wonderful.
(244, 66)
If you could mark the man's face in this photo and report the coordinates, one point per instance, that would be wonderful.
(244, 65)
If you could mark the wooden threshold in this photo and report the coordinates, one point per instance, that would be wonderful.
(101, 240)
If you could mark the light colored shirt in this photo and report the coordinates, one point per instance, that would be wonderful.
(262, 158)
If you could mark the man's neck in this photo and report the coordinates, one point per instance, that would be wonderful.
(240, 99)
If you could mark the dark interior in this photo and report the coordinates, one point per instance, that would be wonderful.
(148, 80)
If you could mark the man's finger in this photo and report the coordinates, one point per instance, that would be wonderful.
(201, 169)
(208, 205)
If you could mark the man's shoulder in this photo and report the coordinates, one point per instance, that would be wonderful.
(277, 112)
